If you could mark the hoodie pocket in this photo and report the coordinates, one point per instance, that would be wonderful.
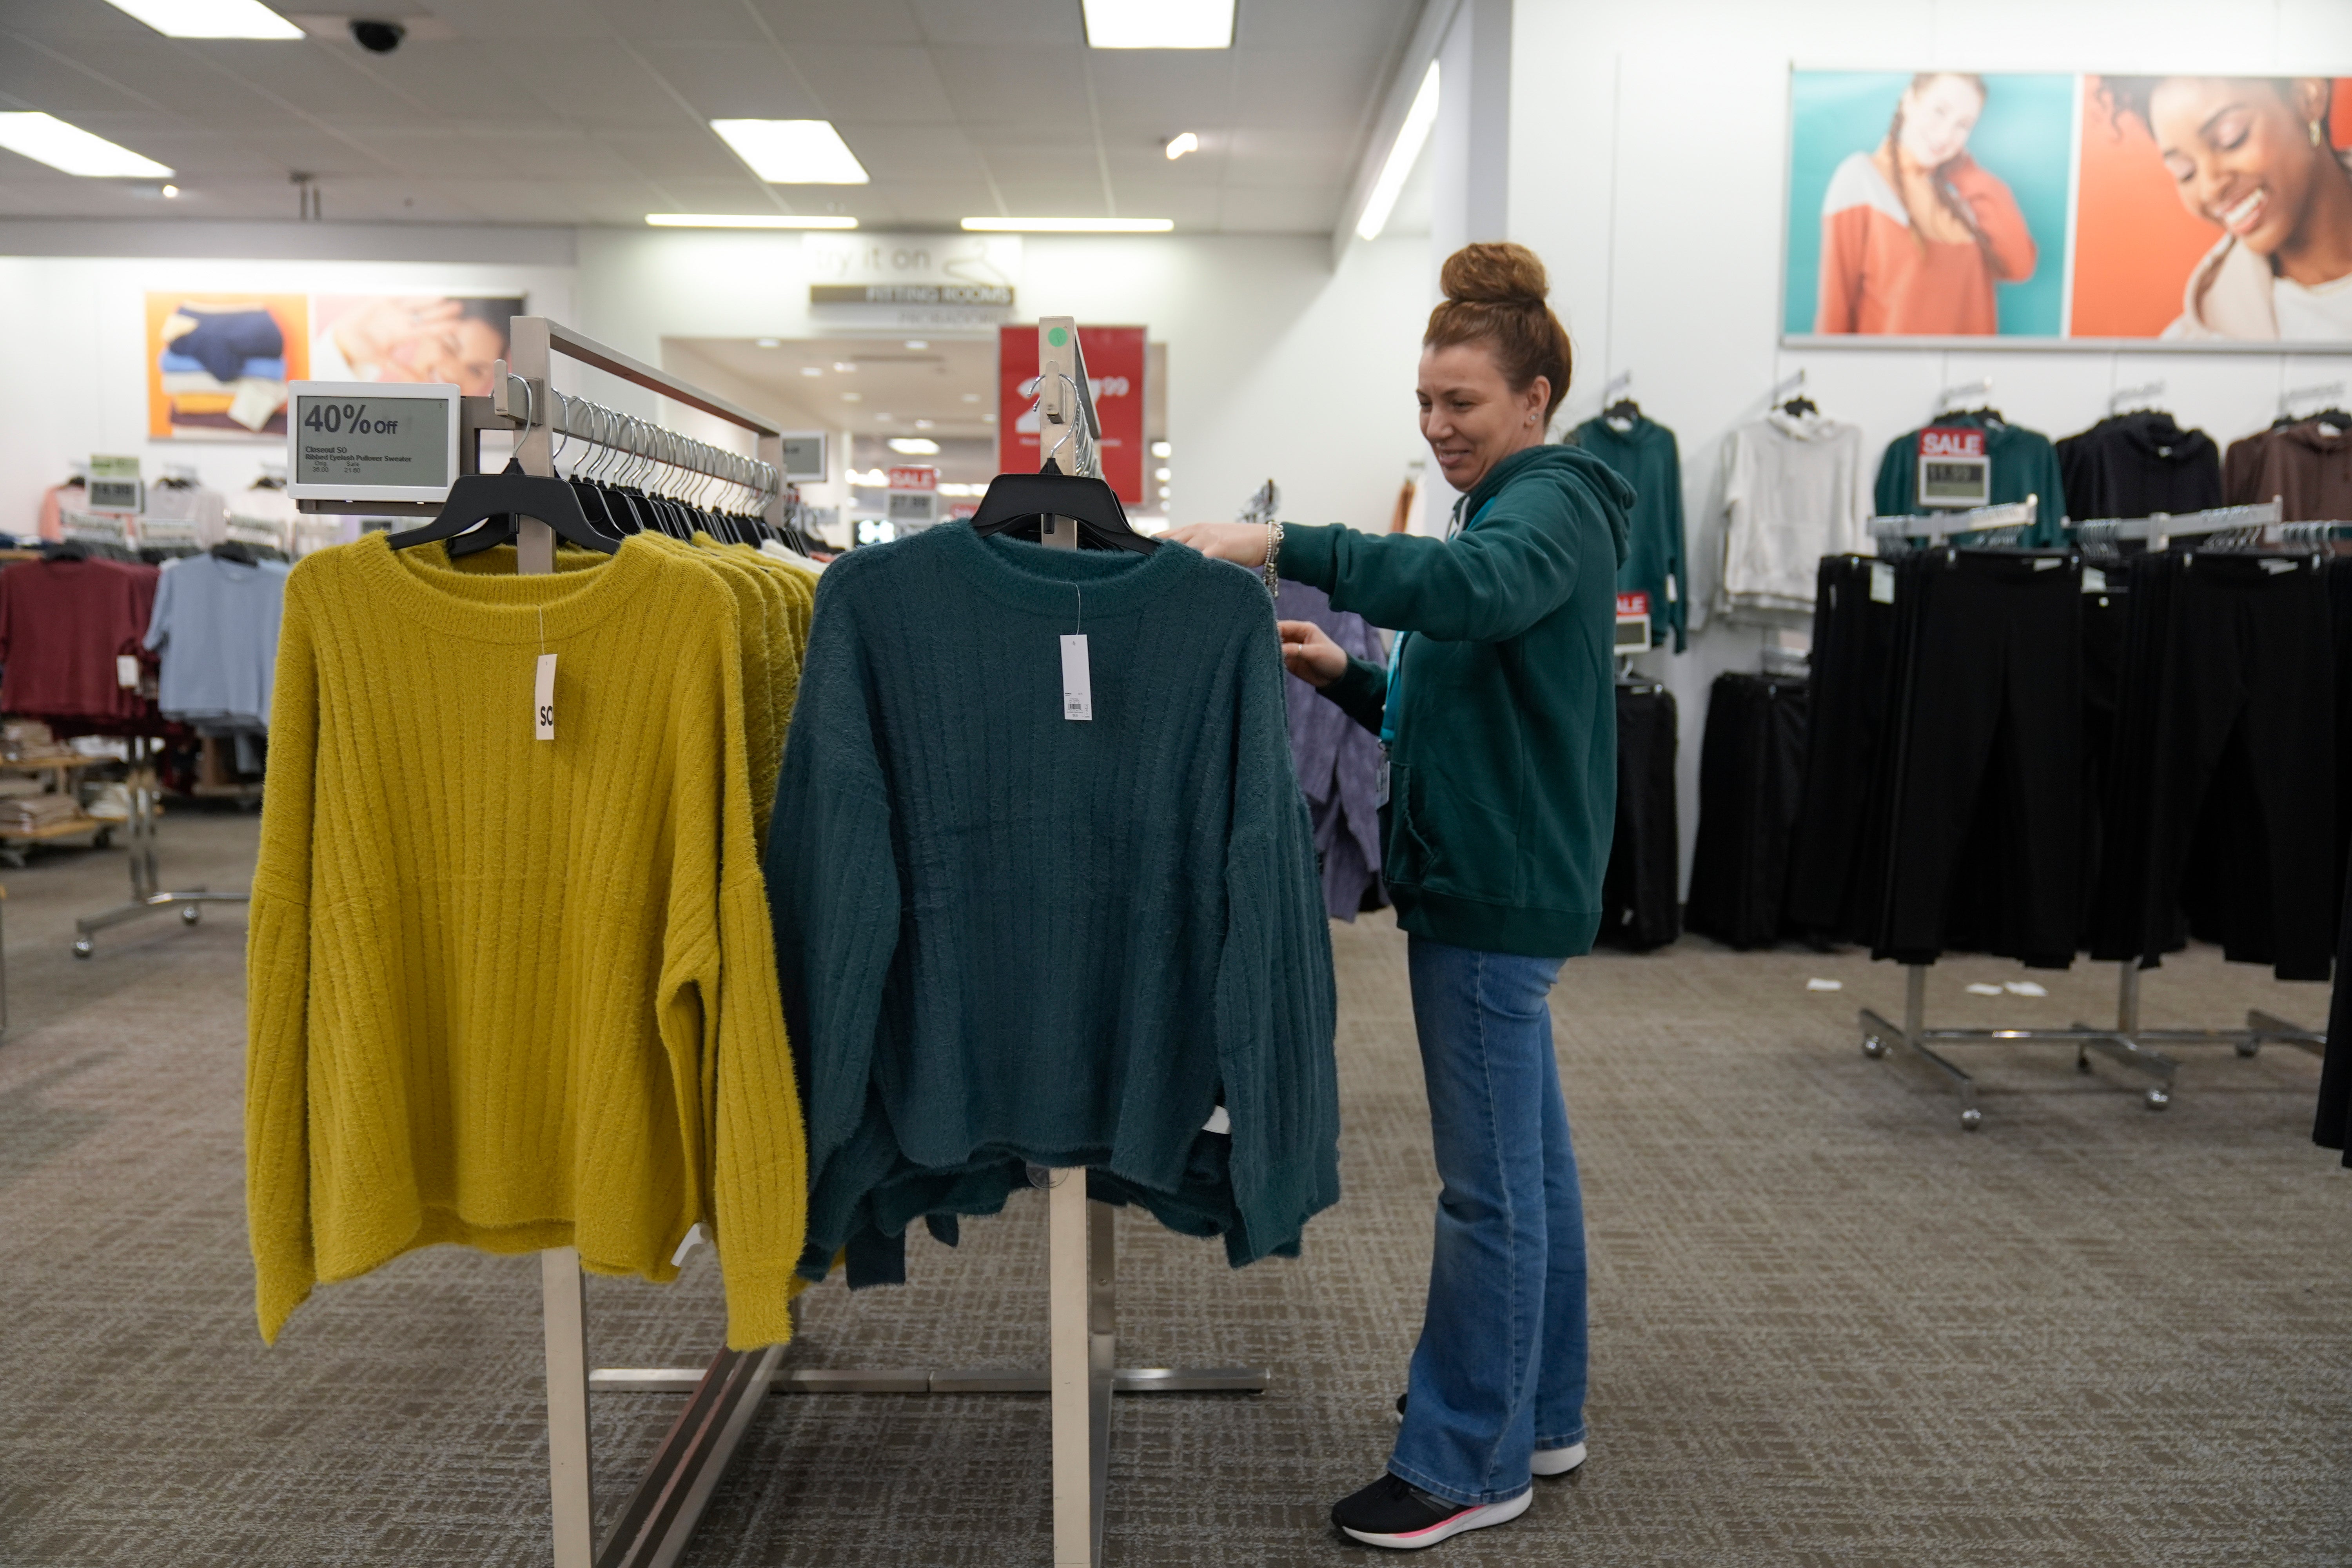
(1409, 858)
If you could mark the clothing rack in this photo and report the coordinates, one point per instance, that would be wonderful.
(148, 894)
(1934, 530)
(2100, 537)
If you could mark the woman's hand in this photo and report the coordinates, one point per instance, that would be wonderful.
(1308, 652)
(1242, 543)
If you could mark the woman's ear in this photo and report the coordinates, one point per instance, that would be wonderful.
(1536, 398)
(2309, 96)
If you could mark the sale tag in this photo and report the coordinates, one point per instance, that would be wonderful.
(1634, 604)
(1953, 470)
(542, 699)
(1882, 583)
(126, 671)
(1077, 681)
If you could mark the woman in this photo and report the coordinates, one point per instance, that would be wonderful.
(1497, 717)
(2253, 156)
(1915, 235)
(392, 339)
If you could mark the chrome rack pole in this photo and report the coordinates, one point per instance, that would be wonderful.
(147, 896)
(2260, 1025)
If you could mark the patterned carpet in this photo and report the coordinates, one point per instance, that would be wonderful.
(1831, 1328)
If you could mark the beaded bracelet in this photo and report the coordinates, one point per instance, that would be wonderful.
(1272, 551)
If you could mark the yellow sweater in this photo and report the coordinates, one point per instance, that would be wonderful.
(509, 993)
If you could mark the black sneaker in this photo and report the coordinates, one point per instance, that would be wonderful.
(1549, 1463)
(1395, 1513)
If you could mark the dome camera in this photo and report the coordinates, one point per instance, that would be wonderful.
(377, 37)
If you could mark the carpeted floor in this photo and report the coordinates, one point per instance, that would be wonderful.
(1831, 1328)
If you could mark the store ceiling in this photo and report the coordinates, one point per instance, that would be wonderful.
(595, 112)
(875, 388)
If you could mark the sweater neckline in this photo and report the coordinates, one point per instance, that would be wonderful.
(504, 607)
(1059, 583)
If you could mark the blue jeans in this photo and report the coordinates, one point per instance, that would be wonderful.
(1500, 1368)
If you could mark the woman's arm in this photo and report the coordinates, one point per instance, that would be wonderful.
(2008, 239)
(1359, 687)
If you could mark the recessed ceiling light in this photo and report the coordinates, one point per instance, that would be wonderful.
(845, 365)
(915, 445)
(1184, 141)
(923, 423)
(1401, 155)
(1161, 448)
(170, 192)
(46, 139)
(746, 220)
(811, 370)
(209, 19)
(793, 152)
(1069, 225)
(1160, 24)
(881, 416)
(769, 343)
(853, 396)
(1159, 474)
(917, 344)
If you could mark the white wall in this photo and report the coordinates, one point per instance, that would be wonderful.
(1646, 169)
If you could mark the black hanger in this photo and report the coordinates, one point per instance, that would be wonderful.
(1018, 501)
(478, 498)
(1798, 406)
(234, 550)
(1624, 409)
(65, 549)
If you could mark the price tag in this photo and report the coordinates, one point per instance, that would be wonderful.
(126, 671)
(2093, 579)
(542, 699)
(1078, 680)
(1953, 470)
(1882, 583)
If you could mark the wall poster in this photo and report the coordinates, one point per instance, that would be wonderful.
(218, 364)
(2158, 210)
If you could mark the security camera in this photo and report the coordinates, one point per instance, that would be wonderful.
(378, 37)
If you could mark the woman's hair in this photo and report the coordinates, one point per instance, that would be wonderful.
(2133, 94)
(1943, 193)
(1495, 295)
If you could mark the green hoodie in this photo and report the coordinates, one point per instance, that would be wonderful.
(1503, 765)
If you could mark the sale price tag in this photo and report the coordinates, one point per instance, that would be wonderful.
(1954, 469)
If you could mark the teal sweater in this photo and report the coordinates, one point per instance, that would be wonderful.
(1652, 463)
(1008, 937)
(1503, 772)
(2024, 463)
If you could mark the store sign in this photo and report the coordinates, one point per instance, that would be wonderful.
(913, 501)
(911, 279)
(1953, 470)
(1114, 369)
(357, 440)
(114, 485)
(1633, 622)
(803, 455)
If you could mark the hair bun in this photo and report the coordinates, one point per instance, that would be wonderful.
(1495, 274)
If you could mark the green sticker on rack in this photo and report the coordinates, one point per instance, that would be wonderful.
(1058, 337)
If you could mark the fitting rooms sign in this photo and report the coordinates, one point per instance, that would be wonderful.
(911, 279)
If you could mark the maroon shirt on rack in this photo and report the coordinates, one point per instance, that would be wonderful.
(62, 623)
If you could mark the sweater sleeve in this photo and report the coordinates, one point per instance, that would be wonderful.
(1361, 692)
(1275, 1000)
(1893, 496)
(159, 619)
(1486, 584)
(2009, 241)
(278, 991)
(833, 877)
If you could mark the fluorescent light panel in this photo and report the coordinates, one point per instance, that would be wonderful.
(49, 140)
(209, 19)
(1160, 24)
(915, 445)
(745, 220)
(1409, 137)
(793, 152)
(1069, 225)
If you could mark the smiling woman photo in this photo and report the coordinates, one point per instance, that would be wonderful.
(1915, 233)
(2253, 156)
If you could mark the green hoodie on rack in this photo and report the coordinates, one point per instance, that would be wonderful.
(1503, 731)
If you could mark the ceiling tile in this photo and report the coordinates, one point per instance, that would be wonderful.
(733, 82)
(68, 19)
(534, 19)
(457, 80)
(680, 154)
(1166, 90)
(1000, 83)
(681, 21)
(1000, 21)
(1273, 210)
(841, 21)
(1377, 26)
(1056, 198)
(896, 82)
(893, 152)
(36, 79)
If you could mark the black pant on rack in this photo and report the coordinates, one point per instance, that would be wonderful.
(2335, 1119)
(1641, 892)
(1829, 896)
(1750, 768)
(1983, 814)
(2241, 815)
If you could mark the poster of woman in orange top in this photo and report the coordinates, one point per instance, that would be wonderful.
(1927, 204)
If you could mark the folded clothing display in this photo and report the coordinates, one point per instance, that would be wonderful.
(1011, 935)
(23, 812)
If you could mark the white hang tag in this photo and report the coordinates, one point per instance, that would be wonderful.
(1077, 681)
(542, 700)
(1219, 1121)
(1380, 783)
(2093, 579)
(126, 671)
(2046, 562)
(1882, 585)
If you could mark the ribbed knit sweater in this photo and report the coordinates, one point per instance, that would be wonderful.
(1006, 936)
(510, 992)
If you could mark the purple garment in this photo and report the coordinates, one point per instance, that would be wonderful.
(1338, 760)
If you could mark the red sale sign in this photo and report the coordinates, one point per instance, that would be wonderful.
(1114, 366)
(1635, 604)
(1951, 441)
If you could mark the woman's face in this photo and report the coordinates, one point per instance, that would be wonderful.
(2240, 155)
(1469, 415)
(1937, 119)
(465, 351)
